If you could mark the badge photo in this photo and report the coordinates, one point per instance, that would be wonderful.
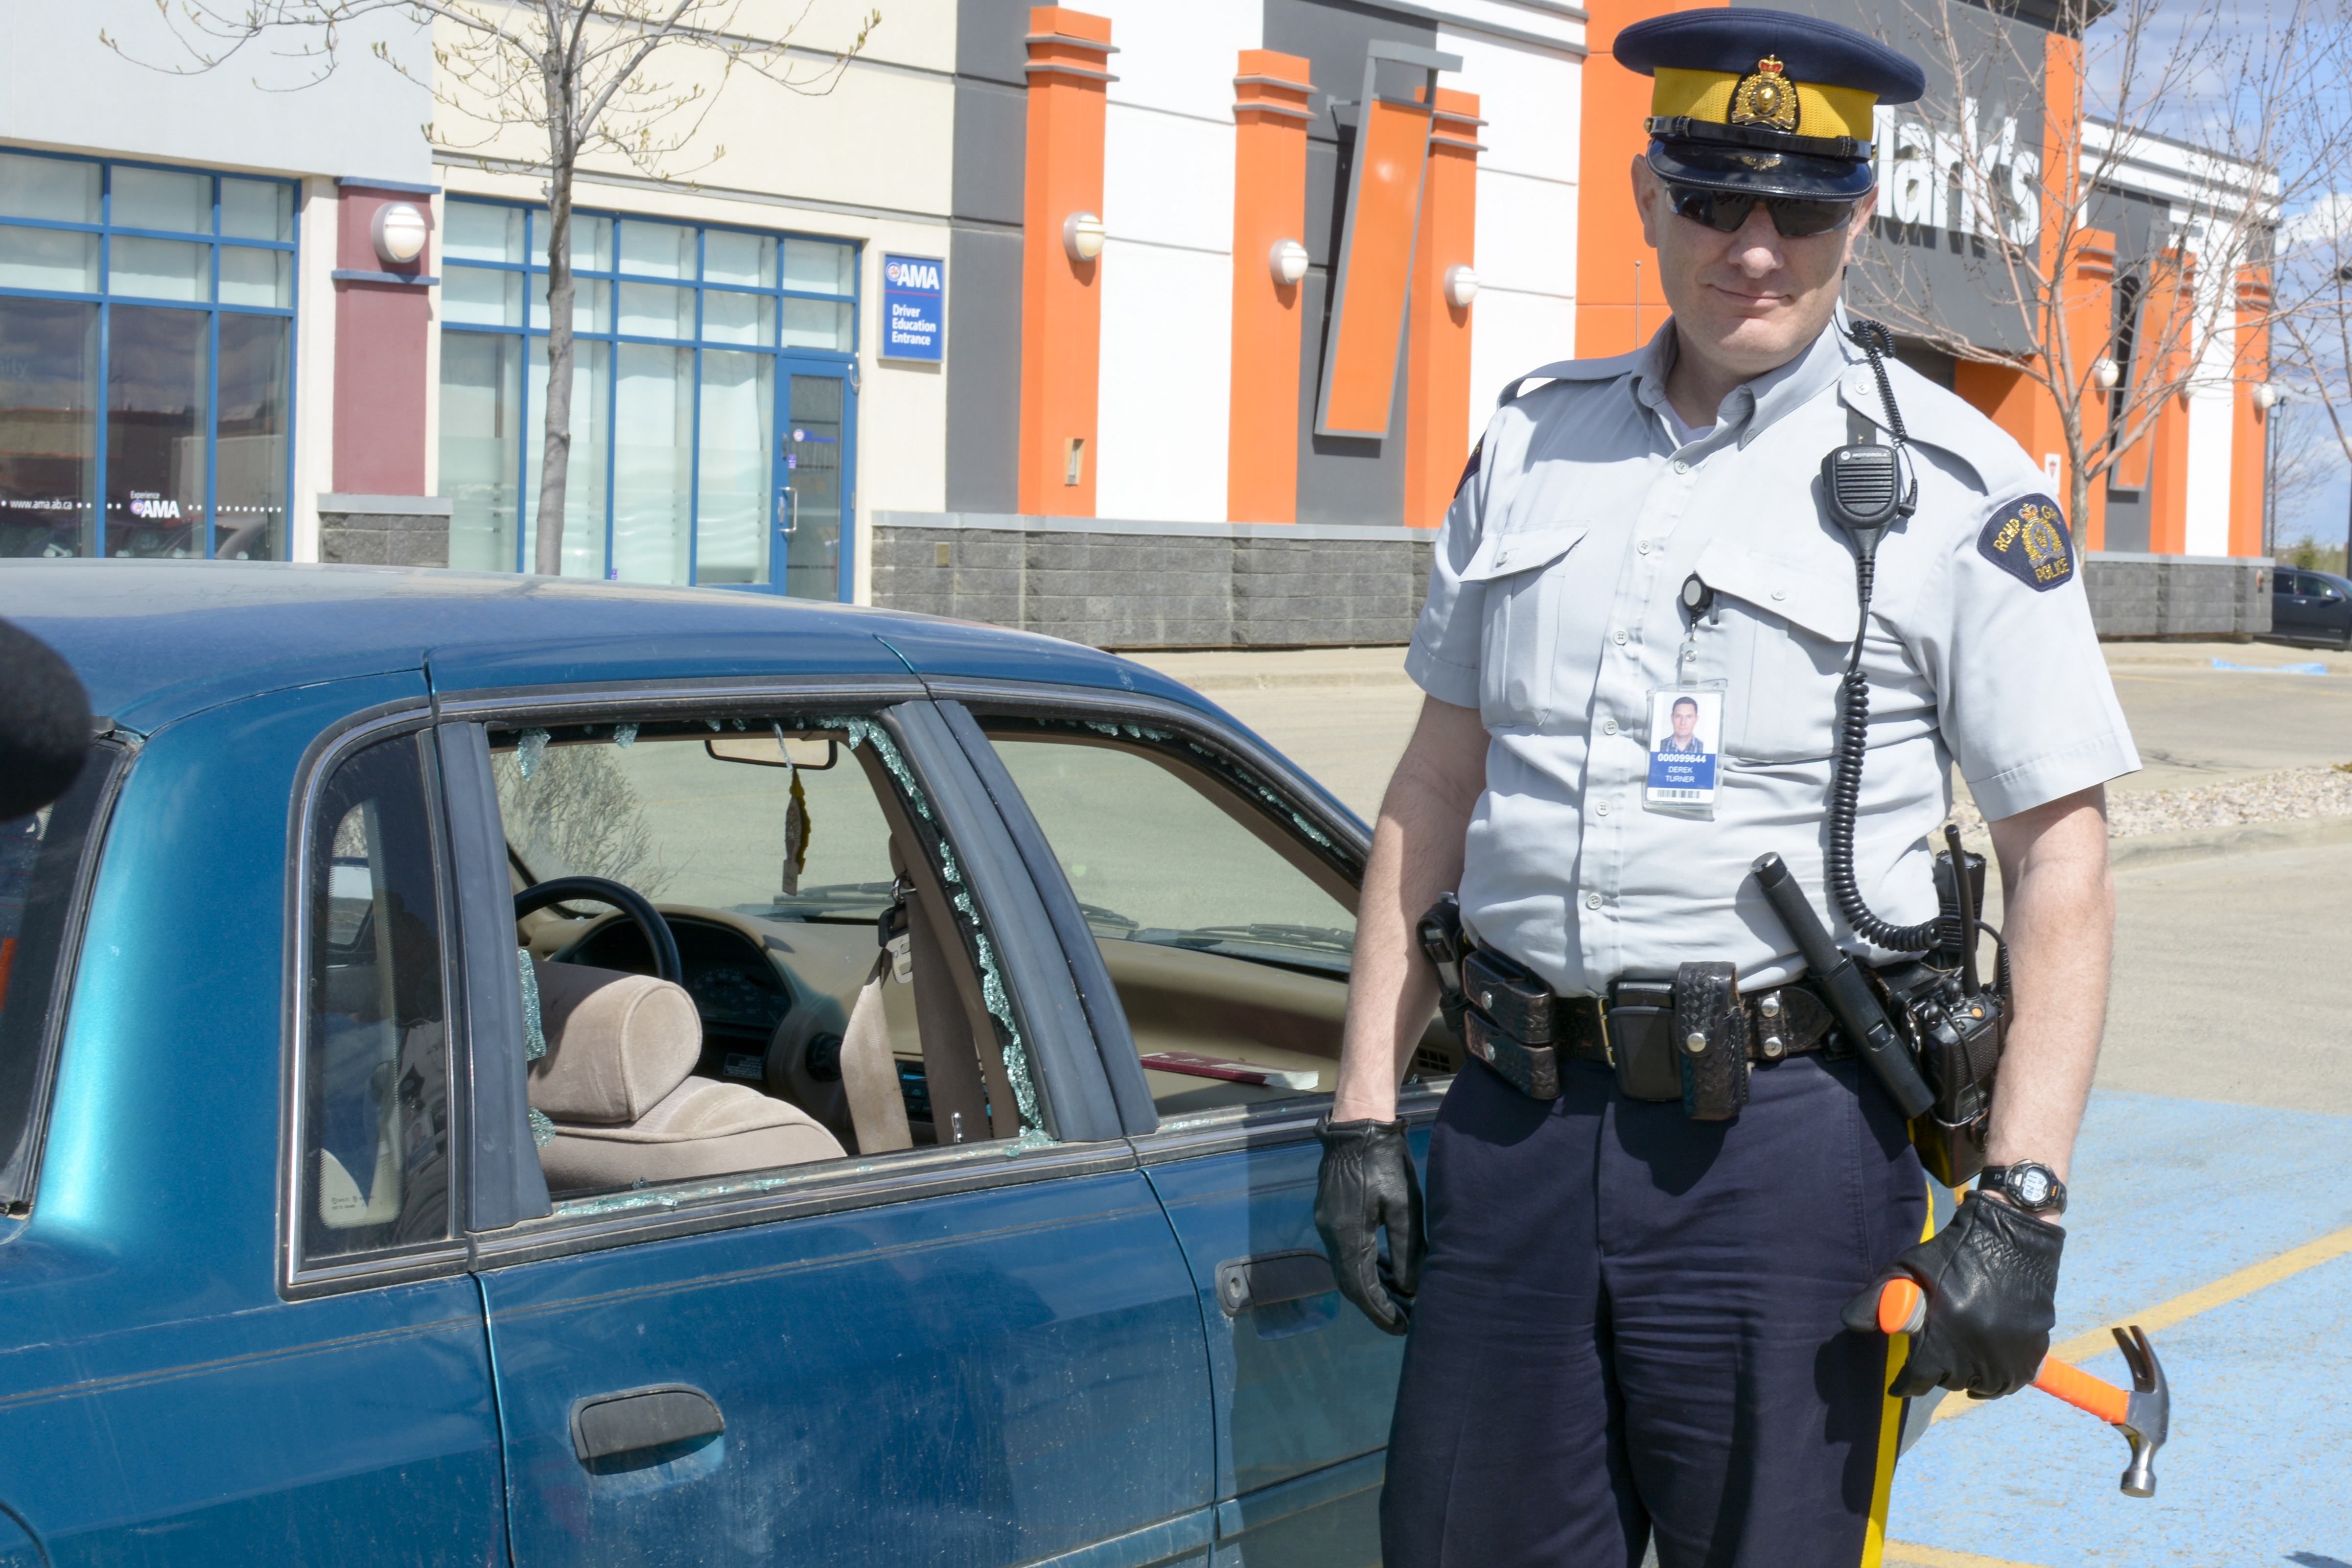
(1686, 747)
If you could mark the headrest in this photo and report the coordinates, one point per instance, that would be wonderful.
(616, 1043)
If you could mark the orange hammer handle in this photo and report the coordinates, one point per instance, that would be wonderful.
(1903, 1310)
(2083, 1392)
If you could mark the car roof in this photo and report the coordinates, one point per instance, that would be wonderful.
(156, 640)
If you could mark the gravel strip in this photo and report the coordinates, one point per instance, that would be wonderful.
(2287, 795)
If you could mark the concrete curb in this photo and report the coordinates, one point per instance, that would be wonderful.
(2246, 839)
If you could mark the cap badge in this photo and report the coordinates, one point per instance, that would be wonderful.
(1765, 96)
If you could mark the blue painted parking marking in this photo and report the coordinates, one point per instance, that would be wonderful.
(2169, 1195)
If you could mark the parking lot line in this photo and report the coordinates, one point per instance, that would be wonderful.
(2181, 1308)
(1905, 1554)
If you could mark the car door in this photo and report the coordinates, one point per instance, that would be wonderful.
(987, 1353)
(1218, 891)
(2330, 599)
(235, 1323)
(2291, 608)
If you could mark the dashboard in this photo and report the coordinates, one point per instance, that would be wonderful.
(735, 988)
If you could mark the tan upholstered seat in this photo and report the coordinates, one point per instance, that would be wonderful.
(616, 1081)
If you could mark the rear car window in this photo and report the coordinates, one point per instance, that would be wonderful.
(375, 1090)
(45, 862)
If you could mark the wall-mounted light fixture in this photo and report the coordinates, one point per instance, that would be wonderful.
(2106, 373)
(1461, 285)
(398, 230)
(2269, 396)
(1288, 261)
(1082, 235)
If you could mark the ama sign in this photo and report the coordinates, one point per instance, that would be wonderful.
(914, 307)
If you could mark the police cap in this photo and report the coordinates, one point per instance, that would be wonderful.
(1764, 102)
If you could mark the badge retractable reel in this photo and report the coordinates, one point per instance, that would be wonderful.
(1937, 1053)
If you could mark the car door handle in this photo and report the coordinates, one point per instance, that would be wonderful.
(1270, 1279)
(604, 1425)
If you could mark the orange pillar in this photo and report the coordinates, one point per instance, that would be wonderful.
(1437, 333)
(2250, 434)
(1061, 297)
(2089, 305)
(1270, 119)
(1616, 278)
(2166, 323)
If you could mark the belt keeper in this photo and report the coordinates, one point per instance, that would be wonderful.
(1769, 1008)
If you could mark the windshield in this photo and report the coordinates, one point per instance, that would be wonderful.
(659, 811)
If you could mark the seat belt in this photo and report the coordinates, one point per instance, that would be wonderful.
(869, 1073)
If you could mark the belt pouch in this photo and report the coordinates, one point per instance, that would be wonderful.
(1533, 1070)
(1641, 1039)
(1710, 1033)
(1514, 998)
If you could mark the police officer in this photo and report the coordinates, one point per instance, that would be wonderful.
(1628, 1322)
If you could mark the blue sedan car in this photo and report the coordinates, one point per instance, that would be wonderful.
(502, 1069)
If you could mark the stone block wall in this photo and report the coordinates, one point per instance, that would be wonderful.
(1113, 584)
(383, 530)
(2178, 595)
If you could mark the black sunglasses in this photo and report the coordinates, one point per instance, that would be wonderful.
(1797, 217)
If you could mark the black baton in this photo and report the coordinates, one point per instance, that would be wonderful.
(1848, 994)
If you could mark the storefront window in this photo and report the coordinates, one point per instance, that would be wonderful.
(684, 460)
(146, 345)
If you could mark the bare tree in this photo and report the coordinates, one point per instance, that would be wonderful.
(569, 76)
(2236, 110)
(2315, 269)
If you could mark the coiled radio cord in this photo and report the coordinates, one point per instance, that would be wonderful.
(1853, 713)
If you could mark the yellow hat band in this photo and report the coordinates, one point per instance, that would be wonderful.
(1710, 96)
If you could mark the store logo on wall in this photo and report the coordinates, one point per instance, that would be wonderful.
(1972, 180)
(914, 307)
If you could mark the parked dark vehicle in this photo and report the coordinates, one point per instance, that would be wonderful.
(2309, 606)
(500, 1069)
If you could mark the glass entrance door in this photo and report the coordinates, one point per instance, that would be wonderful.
(814, 499)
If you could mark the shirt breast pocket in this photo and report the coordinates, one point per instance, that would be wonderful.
(1786, 627)
(1523, 572)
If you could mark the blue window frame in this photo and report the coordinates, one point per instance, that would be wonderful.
(146, 359)
(712, 415)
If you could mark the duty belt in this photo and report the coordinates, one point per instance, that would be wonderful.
(1649, 1032)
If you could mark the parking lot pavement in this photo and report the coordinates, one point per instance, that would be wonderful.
(2208, 1183)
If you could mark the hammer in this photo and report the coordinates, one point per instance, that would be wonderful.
(2144, 1415)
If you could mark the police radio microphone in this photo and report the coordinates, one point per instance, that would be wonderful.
(1846, 990)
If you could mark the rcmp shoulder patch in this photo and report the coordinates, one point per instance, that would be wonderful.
(1470, 469)
(2028, 539)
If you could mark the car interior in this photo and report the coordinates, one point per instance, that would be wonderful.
(741, 950)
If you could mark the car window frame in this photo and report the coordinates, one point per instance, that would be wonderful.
(24, 1127)
(1223, 1128)
(977, 836)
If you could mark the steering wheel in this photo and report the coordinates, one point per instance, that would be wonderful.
(622, 897)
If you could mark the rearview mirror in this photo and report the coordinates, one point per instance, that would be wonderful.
(772, 752)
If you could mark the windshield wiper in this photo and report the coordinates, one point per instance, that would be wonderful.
(1279, 933)
(1097, 915)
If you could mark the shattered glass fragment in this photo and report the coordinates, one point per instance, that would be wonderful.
(543, 1131)
(625, 735)
(529, 748)
(534, 1035)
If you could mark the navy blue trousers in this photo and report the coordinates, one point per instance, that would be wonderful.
(1629, 1324)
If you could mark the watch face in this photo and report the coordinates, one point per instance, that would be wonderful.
(2031, 1186)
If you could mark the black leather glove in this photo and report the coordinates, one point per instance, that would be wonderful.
(1367, 1181)
(1991, 1282)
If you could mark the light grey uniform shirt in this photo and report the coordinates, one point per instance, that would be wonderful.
(1555, 610)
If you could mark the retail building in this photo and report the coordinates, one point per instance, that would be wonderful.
(1147, 325)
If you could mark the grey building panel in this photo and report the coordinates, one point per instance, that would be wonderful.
(983, 370)
(1342, 478)
(989, 35)
(992, 136)
(1332, 36)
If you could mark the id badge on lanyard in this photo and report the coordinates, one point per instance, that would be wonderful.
(1686, 747)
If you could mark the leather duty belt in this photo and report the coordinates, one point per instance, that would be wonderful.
(1516, 1027)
